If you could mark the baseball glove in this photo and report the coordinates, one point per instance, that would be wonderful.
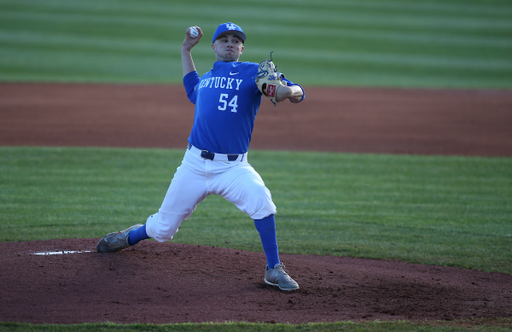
(269, 80)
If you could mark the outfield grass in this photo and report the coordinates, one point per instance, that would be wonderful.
(437, 43)
(452, 211)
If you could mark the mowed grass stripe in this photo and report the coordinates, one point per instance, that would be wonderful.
(84, 67)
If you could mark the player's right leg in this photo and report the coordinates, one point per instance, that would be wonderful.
(187, 189)
(116, 241)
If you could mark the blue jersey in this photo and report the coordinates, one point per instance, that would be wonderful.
(227, 101)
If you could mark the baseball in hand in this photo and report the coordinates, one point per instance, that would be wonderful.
(193, 32)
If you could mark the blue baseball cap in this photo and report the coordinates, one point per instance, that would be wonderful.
(226, 28)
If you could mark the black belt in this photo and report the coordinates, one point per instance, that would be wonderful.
(205, 154)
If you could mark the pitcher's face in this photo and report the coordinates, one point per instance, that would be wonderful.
(228, 48)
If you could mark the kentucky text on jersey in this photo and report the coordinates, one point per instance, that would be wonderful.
(227, 101)
(221, 82)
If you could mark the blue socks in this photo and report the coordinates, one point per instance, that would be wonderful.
(267, 229)
(137, 235)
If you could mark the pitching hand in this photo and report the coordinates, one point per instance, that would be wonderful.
(189, 42)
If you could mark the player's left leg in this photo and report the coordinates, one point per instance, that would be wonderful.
(275, 274)
(246, 189)
(267, 229)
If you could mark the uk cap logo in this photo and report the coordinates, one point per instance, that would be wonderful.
(226, 28)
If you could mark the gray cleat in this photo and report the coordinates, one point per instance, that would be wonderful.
(115, 241)
(278, 277)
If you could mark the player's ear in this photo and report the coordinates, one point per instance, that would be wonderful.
(214, 46)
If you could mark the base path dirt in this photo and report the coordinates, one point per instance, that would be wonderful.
(172, 283)
(453, 122)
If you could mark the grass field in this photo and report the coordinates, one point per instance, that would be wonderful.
(453, 211)
(401, 43)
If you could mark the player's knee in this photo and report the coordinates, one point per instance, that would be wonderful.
(263, 204)
(163, 226)
(263, 208)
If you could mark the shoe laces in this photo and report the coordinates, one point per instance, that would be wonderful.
(279, 268)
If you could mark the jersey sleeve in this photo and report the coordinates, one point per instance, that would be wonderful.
(290, 83)
(190, 82)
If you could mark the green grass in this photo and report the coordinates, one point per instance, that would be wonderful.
(452, 211)
(377, 326)
(437, 43)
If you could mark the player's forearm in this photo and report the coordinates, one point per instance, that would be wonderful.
(187, 62)
(294, 93)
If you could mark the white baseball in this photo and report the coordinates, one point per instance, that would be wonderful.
(193, 32)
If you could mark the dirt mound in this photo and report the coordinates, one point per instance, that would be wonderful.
(171, 283)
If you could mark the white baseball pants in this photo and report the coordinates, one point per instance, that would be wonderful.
(196, 178)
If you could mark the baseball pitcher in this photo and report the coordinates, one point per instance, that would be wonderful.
(227, 99)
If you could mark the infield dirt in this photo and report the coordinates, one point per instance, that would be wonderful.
(171, 283)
